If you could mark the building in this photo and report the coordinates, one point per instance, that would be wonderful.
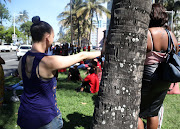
(109, 6)
(97, 33)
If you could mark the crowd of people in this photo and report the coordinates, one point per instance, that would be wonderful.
(94, 74)
(63, 49)
(37, 68)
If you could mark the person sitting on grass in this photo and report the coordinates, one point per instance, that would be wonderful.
(90, 83)
(83, 65)
(98, 70)
(74, 74)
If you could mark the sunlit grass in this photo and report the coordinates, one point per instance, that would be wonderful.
(77, 108)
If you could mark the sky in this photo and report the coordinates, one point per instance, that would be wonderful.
(48, 10)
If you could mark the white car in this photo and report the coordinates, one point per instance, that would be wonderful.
(22, 49)
(8, 47)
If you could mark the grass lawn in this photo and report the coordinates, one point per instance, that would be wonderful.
(77, 108)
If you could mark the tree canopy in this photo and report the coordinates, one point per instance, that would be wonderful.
(4, 13)
(22, 17)
(2, 32)
(82, 13)
(25, 27)
(9, 32)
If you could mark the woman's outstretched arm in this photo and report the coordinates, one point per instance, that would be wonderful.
(60, 62)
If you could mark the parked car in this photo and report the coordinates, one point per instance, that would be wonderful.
(8, 47)
(93, 47)
(98, 48)
(22, 49)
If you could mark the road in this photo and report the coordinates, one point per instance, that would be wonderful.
(11, 62)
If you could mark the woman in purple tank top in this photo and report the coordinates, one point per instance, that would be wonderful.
(38, 108)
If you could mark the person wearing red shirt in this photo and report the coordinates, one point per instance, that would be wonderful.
(84, 48)
(98, 70)
(98, 64)
(91, 82)
(89, 48)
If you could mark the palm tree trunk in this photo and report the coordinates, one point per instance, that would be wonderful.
(1, 21)
(117, 104)
(90, 27)
(79, 33)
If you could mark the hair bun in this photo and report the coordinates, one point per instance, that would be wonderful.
(36, 19)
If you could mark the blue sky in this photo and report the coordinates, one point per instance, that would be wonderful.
(48, 10)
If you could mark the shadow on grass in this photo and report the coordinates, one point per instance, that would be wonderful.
(95, 99)
(68, 85)
(63, 83)
(77, 120)
(7, 111)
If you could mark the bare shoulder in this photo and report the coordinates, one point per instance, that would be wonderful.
(157, 31)
(51, 62)
(48, 61)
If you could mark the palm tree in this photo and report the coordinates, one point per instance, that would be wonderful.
(4, 13)
(8, 1)
(23, 17)
(90, 8)
(117, 105)
(171, 5)
(65, 17)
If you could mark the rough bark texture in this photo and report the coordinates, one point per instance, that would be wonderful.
(117, 105)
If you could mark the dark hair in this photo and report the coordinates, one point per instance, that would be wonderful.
(99, 59)
(39, 28)
(91, 71)
(94, 63)
(158, 16)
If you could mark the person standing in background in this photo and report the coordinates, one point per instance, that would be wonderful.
(50, 51)
(89, 48)
(154, 89)
(78, 49)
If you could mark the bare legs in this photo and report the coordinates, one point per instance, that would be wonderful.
(82, 89)
(152, 123)
(140, 124)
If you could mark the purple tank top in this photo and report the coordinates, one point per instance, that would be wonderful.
(38, 102)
